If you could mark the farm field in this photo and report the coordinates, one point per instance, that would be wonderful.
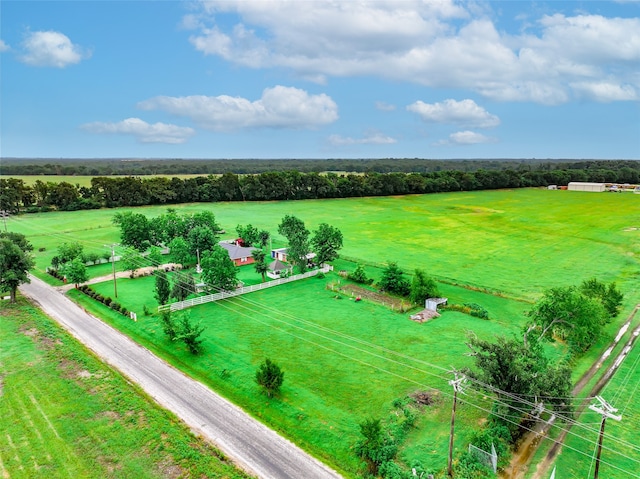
(504, 247)
(515, 243)
(65, 414)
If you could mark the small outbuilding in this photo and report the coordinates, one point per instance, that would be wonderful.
(278, 269)
(584, 186)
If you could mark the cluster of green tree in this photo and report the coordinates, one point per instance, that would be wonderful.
(139, 167)
(16, 196)
(15, 262)
(575, 315)
(516, 371)
(381, 440)
(393, 280)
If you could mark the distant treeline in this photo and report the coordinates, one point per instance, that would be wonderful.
(139, 167)
(16, 196)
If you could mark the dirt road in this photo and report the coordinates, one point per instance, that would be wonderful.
(253, 446)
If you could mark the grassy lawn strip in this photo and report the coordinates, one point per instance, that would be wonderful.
(66, 414)
(331, 381)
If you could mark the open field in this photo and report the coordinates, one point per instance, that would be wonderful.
(65, 414)
(504, 247)
(516, 242)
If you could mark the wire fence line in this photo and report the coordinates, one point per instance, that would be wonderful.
(209, 298)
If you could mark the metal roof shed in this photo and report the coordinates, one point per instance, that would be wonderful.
(583, 186)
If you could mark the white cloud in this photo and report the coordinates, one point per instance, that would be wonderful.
(605, 91)
(370, 139)
(279, 107)
(51, 49)
(465, 112)
(437, 44)
(466, 138)
(143, 131)
(383, 106)
(4, 47)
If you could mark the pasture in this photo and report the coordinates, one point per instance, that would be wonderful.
(500, 249)
(515, 243)
(66, 414)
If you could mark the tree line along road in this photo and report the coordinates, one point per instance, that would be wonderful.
(254, 447)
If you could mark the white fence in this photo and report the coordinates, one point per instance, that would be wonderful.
(237, 292)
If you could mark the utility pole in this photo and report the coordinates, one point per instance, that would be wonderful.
(607, 411)
(113, 266)
(457, 387)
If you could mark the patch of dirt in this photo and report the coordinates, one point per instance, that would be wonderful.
(114, 416)
(396, 304)
(425, 398)
(69, 369)
(31, 332)
(44, 341)
(169, 469)
(84, 374)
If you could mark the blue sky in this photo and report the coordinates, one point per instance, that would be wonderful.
(320, 79)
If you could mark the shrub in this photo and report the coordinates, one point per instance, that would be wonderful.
(270, 377)
(359, 275)
(477, 310)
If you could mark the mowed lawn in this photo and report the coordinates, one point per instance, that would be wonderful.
(65, 414)
(344, 361)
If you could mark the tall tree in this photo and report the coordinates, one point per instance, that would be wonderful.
(297, 235)
(163, 287)
(180, 251)
(18, 239)
(270, 377)
(69, 251)
(183, 286)
(201, 238)
(260, 264)
(393, 280)
(14, 267)
(189, 333)
(249, 234)
(609, 295)
(134, 229)
(566, 314)
(218, 270)
(515, 371)
(75, 271)
(422, 287)
(326, 241)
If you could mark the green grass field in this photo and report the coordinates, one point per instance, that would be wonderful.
(65, 414)
(516, 242)
(336, 354)
(500, 249)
